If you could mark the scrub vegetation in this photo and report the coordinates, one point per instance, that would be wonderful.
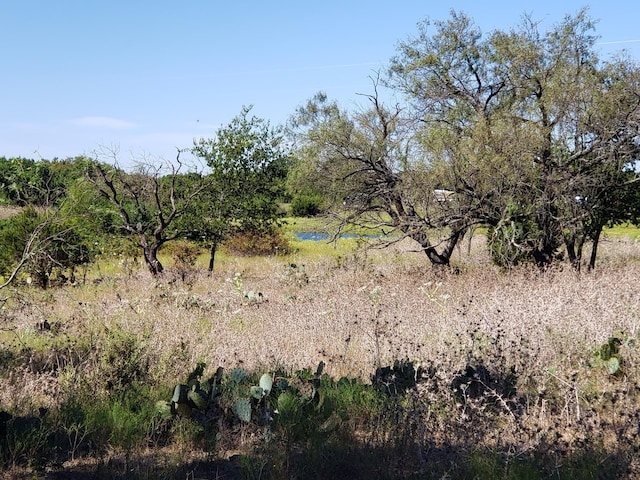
(380, 367)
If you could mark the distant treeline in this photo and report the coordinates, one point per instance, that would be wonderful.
(25, 181)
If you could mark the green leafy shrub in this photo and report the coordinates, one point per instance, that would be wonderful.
(120, 422)
(25, 440)
(92, 422)
(122, 361)
(185, 254)
(518, 239)
(306, 205)
(53, 245)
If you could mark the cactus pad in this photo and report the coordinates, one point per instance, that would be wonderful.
(266, 383)
(238, 375)
(242, 409)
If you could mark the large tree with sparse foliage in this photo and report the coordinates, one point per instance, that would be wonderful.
(373, 172)
(149, 201)
(531, 123)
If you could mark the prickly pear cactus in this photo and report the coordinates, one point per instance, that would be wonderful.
(257, 392)
(198, 398)
(180, 393)
(164, 409)
(242, 409)
(238, 375)
(266, 383)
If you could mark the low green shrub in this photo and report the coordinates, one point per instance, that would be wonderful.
(122, 361)
(184, 253)
(26, 440)
(306, 205)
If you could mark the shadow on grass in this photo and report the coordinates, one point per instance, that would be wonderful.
(361, 462)
(472, 436)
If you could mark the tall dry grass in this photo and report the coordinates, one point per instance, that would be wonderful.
(354, 313)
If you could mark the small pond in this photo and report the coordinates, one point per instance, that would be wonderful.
(320, 236)
(312, 236)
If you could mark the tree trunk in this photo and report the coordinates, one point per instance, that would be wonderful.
(543, 256)
(442, 258)
(545, 253)
(570, 246)
(579, 246)
(573, 244)
(212, 257)
(151, 257)
(435, 258)
(594, 247)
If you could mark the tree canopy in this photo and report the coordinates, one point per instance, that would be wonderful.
(234, 184)
(57, 226)
(526, 132)
(248, 165)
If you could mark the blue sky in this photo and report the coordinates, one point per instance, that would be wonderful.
(150, 76)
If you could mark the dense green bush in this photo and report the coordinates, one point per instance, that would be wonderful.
(518, 238)
(122, 362)
(305, 205)
(45, 243)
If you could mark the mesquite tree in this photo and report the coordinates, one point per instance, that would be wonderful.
(375, 174)
(532, 124)
(525, 132)
(148, 202)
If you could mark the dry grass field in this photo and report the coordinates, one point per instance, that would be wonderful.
(514, 377)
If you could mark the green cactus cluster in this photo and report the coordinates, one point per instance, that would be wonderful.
(304, 385)
(242, 409)
(609, 353)
(238, 375)
(191, 396)
(276, 401)
(259, 393)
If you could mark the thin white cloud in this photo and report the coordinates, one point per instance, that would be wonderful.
(616, 42)
(103, 122)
